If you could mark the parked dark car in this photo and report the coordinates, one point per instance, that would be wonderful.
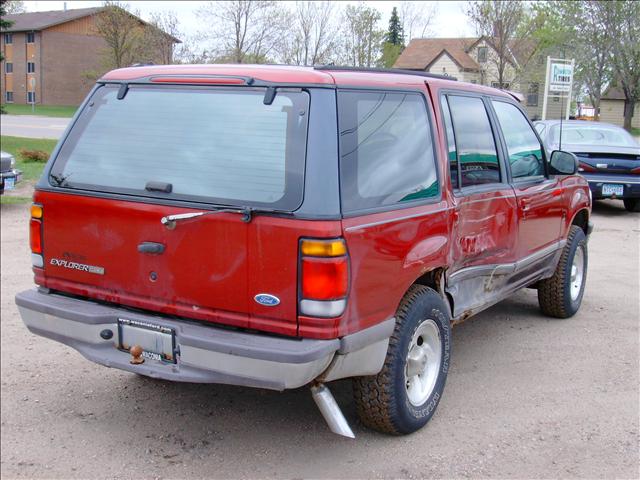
(277, 227)
(8, 172)
(609, 157)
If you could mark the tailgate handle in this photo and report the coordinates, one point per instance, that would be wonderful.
(151, 247)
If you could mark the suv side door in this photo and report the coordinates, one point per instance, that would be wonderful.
(484, 235)
(540, 199)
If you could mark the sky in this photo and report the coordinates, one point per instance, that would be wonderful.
(450, 20)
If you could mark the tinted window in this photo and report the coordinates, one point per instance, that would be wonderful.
(220, 145)
(523, 147)
(386, 149)
(476, 147)
(452, 154)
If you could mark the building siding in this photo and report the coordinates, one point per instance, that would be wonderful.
(612, 111)
(444, 65)
(68, 57)
(68, 78)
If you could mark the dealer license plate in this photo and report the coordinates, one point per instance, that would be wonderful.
(609, 189)
(157, 342)
(9, 183)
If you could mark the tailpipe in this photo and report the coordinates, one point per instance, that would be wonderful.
(330, 410)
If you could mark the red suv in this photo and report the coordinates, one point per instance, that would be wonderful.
(277, 227)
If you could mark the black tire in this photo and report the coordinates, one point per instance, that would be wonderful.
(382, 401)
(632, 204)
(554, 294)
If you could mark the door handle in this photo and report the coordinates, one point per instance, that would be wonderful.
(151, 247)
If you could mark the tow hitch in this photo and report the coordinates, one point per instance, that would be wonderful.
(330, 410)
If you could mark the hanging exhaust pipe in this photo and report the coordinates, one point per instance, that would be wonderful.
(330, 410)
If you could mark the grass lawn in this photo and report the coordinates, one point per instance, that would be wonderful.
(44, 110)
(31, 170)
(7, 200)
(635, 132)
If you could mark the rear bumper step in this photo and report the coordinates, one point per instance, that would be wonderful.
(207, 354)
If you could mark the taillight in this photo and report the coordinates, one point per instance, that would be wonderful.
(35, 235)
(324, 277)
(585, 167)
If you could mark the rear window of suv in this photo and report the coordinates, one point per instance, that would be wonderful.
(386, 150)
(219, 145)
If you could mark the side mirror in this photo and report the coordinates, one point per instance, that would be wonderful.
(563, 163)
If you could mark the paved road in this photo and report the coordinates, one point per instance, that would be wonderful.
(527, 397)
(33, 126)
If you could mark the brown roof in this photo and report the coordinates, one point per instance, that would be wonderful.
(613, 93)
(41, 20)
(422, 52)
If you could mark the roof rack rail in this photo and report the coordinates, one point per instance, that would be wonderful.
(384, 70)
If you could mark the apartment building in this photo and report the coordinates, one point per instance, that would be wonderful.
(48, 56)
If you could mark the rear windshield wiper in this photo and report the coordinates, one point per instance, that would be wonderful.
(170, 220)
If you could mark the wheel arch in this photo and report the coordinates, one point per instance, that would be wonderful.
(581, 219)
(434, 279)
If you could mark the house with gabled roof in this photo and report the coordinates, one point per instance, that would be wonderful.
(474, 60)
(612, 108)
(47, 55)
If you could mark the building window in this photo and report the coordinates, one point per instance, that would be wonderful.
(31, 97)
(8, 67)
(482, 54)
(8, 96)
(8, 38)
(532, 94)
(31, 37)
(31, 67)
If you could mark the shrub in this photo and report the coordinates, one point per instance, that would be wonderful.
(33, 155)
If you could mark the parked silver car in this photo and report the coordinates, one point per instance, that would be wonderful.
(8, 172)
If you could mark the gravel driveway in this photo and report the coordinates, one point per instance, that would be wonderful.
(527, 396)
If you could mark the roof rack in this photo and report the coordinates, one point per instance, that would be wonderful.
(384, 70)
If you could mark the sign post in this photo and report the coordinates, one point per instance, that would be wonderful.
(558, 83)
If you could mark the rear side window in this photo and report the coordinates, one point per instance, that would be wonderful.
(216, 145)
(386, 149)
(525, 151)
(477, 154)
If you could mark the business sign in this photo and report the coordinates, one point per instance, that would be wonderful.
(561, 76)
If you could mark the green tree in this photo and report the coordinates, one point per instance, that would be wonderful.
(395, 34)
(361, 39)
(509, 26)
(620, 20)
(394, 41)
(576, 28)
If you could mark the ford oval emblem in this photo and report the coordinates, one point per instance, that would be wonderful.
(267, 300)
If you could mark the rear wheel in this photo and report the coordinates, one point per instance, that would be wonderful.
(561, 295)
(632, 204)
(404, 395)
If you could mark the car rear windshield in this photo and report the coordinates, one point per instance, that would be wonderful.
(219, 145)
(592, 135)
